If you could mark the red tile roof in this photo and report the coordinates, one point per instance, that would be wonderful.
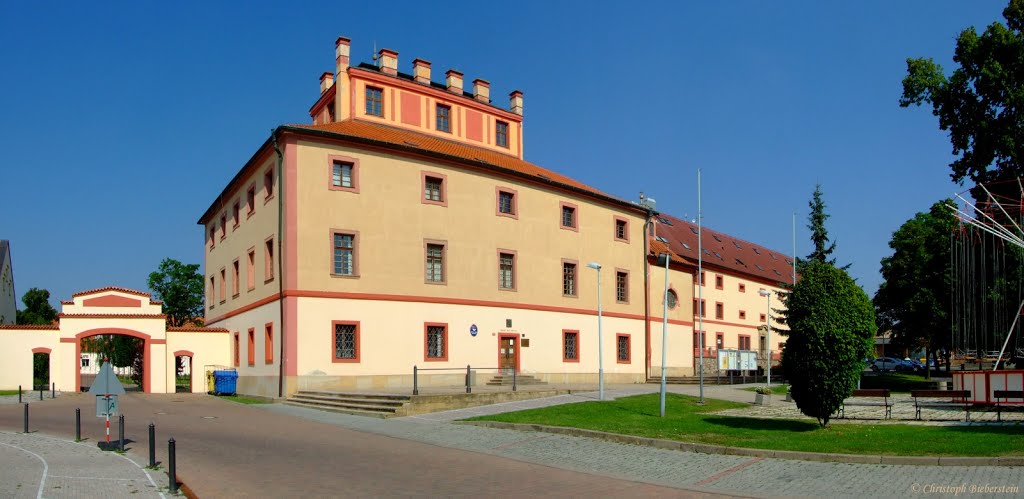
(111, 288)
(53, 327)
(391, 137)
(722, 251)
(193, 329)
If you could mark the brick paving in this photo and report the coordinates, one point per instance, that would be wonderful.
(278, 450)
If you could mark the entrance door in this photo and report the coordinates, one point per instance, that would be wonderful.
(508, 357)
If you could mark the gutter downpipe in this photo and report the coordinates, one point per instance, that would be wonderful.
(647, 298)
(280, 261)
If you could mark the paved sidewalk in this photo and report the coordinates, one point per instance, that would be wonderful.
(737, 475)
(36, 465)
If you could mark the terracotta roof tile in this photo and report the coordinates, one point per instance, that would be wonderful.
(723, 251)
(191, 329)
(111, 288)
(53, 327)
(407, 139)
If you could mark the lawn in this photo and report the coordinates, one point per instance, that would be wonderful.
(685, 420)
(8, 392)
(242, 399)
(897, 382)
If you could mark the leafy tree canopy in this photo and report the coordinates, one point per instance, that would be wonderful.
(37, 308)
(180, 287)
(981, 104)
(914, 300)
(831, 326)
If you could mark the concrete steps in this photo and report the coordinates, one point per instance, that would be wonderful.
(521, 379)
(359, 404)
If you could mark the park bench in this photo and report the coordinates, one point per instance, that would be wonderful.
(950, 398)
(856, 398)
(1002, 401)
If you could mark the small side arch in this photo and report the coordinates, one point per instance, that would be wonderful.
(41, 350)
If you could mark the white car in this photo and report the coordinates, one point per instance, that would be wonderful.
(886, 364)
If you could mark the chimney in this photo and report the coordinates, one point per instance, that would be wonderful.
(482, 90)
(388, 60)
(341, 52)
(421, 71)
(326, 80)
(515, 102)
(453, 79)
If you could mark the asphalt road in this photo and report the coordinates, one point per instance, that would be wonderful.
(226, 449)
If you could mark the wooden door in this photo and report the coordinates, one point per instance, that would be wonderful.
(507, 354)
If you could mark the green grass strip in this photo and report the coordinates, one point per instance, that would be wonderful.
(686, 420)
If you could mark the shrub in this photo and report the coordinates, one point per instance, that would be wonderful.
(831, 326)
(763, 390)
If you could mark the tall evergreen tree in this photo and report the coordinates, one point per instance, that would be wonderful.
(819, 234)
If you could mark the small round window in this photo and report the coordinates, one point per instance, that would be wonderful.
(673, 300)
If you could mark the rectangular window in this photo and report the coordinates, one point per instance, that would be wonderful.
(435, 263)
(223, 227)
(570, 346)
(85, 362)
(699, 339)
(436, 341)
(762, 318)
(703, 279)
(744, 342)
(346, 341)
(719, 341)
(621, 286)
(621, 229)
(250, 201)
(268, 260)
(268, 184)
(223, 285)
(742, 288)
(506, 202)
(235, 215)
(268, 343)
(702, 310)
(344, 254)
(341, 174)
(433, 189)
(569, 278)
(444, 118)
(719, 282)
(743, 314)
(235, 276)
(506, 270)
(374, 101)
(237, 363)
(568, 216)
(252, 347)
(212, 296)
(213, 235)
(501, 133)
(622, 348)
(719, 310)
(250, 270)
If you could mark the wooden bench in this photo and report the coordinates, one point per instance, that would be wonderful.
(882, 393)
(953, 398)
(1001, 397)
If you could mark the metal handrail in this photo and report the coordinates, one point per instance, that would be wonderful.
(416, 369)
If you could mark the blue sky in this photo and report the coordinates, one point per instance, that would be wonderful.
(122, 121)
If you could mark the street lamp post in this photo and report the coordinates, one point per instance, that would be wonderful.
(768, 325)
(664, 332)
(600, 345)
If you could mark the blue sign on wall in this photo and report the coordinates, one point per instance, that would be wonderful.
(472, 330)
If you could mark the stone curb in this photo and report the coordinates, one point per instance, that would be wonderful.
(742, 451)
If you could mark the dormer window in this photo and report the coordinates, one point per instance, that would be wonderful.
(374, 101)
(501, 133)
(444, 118)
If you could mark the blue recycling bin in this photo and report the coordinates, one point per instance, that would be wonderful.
(224, 382)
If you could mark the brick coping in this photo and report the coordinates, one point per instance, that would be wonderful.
(742, 451)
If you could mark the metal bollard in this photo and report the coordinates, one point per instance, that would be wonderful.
(26, 417)
(53, 390)
(171, 473)
(415, 382)
(468, 389)
(152, 445)
(78, 424)
(513, 379)
(120, 432)
(40, 394)
(19, 394)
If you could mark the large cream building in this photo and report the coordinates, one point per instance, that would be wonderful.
(404, 228)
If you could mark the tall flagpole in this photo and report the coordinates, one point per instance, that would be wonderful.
(700, 289)
(794, 248)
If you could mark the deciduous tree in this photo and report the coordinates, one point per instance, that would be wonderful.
(180, 287)
(37, 308)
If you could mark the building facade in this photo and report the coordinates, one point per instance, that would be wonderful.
(404, 228)
(8, 298)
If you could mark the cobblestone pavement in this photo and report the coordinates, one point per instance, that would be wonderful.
(34, 465)
(727, 474)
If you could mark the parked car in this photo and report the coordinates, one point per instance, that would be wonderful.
(912, 365)
(887, 364)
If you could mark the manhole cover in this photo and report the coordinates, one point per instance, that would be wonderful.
(209, 417)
